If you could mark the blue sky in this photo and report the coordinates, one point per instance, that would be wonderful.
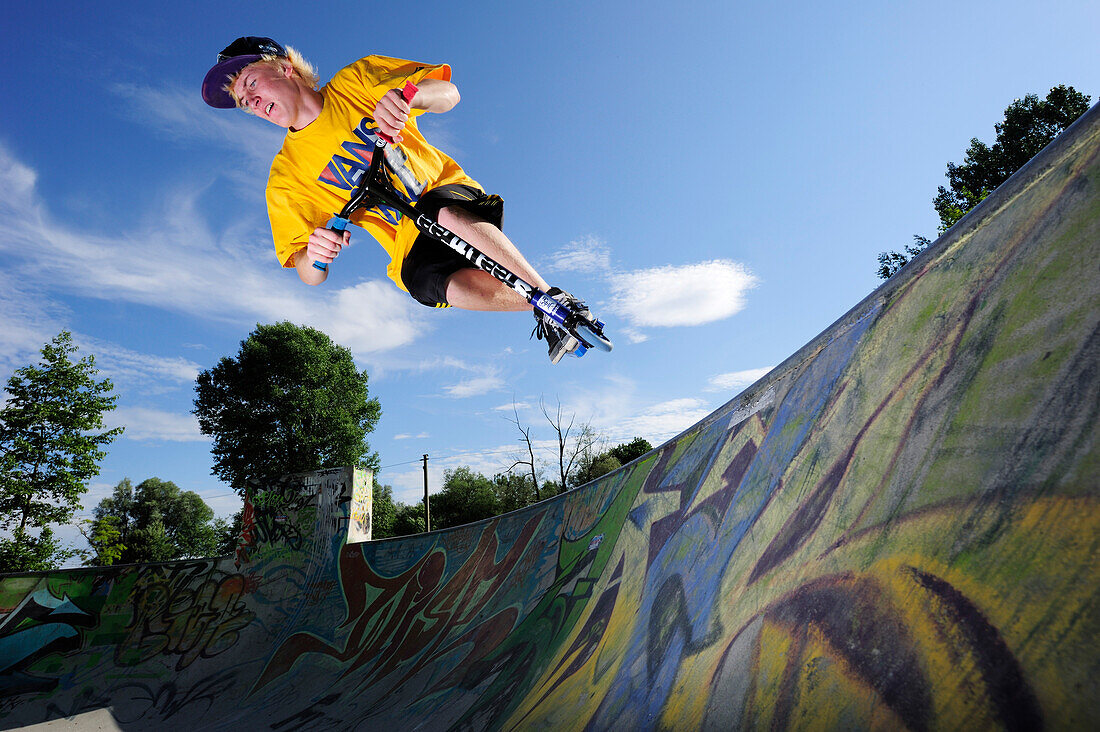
(715, 178)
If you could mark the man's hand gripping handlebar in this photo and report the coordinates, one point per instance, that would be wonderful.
(339, 222)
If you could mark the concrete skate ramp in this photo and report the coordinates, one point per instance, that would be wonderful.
(896, 528)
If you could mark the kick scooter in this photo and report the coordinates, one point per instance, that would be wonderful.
(375, 188)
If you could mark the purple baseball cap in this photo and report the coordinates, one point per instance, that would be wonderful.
(233, 58)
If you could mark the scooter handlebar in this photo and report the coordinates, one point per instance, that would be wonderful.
(339, 224)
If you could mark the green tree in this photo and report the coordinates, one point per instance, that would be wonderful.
(551, 488)
(105, 537)
(156, 522)
(590, 468)
(1030, 124)
(291, 401)
(513, 491)
(628, 452)
(467, 496)
(890, 262)
(594, 465)
(149, 542)
(51, 443)
(228, 533)
(24, 552)
(383, 512)
(408, 520)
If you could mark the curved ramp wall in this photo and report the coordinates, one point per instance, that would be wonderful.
(897, 527)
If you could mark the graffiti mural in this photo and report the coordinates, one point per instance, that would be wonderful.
(187, 609)
(40, 625)
(899, 527)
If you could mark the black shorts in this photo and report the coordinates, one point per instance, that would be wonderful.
(430, 263)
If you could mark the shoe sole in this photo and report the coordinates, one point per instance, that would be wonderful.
(567, 344)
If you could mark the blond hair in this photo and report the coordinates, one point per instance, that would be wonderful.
(303, 68)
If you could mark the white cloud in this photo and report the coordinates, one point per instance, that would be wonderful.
(484, 377)
(661, 421)
(436, 363)
(475, 386)
(181, 114)
(587, 255)
(175, 262)
(668, 296)
(514, 406)
(620, 411)
(690, 294)
(421, 436)
(736, 380)
(123, 365)
(152, 424)
(19, 181)
(29, 323)
(97, 491)
(369, 317)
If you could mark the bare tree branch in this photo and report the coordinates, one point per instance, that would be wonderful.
(529, 463)
(569, 451)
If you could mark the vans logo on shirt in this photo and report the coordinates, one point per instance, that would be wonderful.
(346, 168)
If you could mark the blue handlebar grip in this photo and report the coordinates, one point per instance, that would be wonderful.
(338, 224)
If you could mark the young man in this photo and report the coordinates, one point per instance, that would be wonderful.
(330, 136)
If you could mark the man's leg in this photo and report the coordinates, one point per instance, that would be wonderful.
(473, 289)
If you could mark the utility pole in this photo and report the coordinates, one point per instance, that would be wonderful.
(427, 510)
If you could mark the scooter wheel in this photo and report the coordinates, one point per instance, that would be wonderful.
(592, 338)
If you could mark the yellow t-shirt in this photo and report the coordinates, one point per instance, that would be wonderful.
(318, 167)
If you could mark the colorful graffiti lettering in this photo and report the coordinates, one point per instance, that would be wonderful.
(191, 610)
